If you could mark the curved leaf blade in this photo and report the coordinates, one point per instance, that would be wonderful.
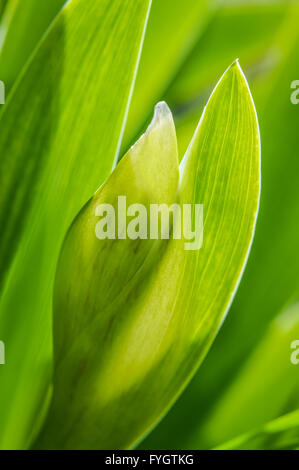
(22, 27)
(175, 24)
(279, 434)
(135, 354)
(264, 389)
(83, 73)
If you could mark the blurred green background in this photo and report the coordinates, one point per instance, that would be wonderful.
(247, 379)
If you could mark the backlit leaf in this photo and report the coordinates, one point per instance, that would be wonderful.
(22, 26)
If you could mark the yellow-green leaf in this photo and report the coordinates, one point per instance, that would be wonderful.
(60, 134)
(125, 350)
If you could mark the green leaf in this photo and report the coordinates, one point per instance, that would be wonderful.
(129, 334)
(273, 271)
(22, 27)
(60, 134)
(173, 29)
(89, 308)
(279, 434)
(264, 388)
(3, 4)
(246, 31)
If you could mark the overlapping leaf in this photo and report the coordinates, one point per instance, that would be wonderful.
(124, 351)
(60, 134)
(246, 30)
(184, 72)
(173, 29)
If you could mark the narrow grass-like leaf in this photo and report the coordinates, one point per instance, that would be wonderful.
(125, 352)
(21, 28)
(279, 434)
(60, 134)
(272, 274)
